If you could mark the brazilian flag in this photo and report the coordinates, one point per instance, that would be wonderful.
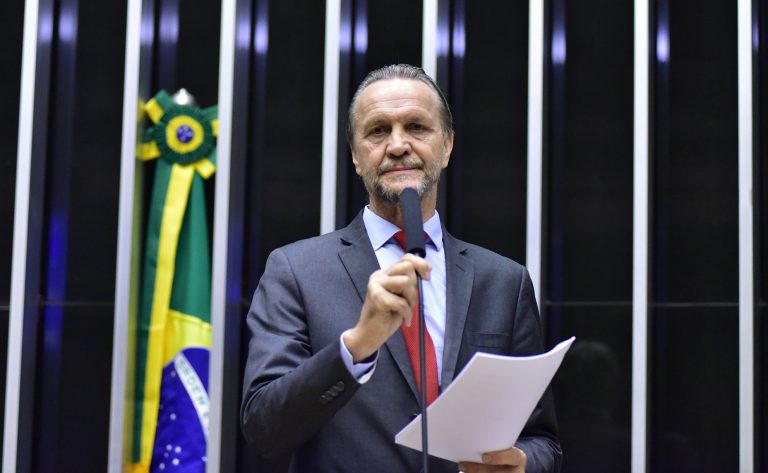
(174, 327)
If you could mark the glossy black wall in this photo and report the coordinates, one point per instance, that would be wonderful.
(760, 183)
(77, 143)
(587, 284)
(693, 421)
(487, 85)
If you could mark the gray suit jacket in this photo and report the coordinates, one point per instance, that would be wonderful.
(301, 402)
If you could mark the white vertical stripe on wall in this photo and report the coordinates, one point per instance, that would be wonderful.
(20, 228)
(535, 139)
(746, 235)
(330, 117)
(429, 38)
(640, 240)
(119, 425)
(221, 233)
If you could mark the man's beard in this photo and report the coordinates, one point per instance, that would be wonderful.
(387, 195)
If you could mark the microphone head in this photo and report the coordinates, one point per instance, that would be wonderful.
(412, 223)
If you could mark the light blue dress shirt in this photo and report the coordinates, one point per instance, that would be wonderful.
(388, 252)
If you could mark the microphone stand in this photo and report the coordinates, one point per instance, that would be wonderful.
(414, 232)
(423, 377)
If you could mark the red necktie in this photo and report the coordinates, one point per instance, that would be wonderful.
(411, 335)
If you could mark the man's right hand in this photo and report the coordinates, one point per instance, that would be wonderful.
(388, 303)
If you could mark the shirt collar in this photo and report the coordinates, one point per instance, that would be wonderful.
(380, 231)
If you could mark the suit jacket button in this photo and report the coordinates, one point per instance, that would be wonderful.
(340, 386)
(333, 391)
(324, 399)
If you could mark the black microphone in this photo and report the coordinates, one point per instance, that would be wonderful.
(412, 224)
(414, 244)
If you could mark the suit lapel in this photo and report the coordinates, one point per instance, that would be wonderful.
(360, 261)
(459, 278)
(357, 256)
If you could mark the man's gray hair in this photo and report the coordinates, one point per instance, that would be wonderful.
(399, 71)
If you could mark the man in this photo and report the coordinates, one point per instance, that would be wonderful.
(328, 378)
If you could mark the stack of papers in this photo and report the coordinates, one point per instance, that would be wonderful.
(486, 406)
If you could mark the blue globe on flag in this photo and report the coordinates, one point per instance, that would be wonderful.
(182, 423)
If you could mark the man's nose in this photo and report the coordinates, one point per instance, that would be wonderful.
(399, 143)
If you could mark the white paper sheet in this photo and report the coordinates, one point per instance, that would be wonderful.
(486, 406)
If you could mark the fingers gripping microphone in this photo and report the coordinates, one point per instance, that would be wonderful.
(414, 244)
(414, 230)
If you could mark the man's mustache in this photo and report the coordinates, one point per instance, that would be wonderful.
(407, 163)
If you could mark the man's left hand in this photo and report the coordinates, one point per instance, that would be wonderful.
(512, 460)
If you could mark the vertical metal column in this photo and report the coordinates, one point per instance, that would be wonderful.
(221, 227)
(330, 117)
(27, 236)
(429, 38)
(640, 241)
(535, 141)
(119, 423)
(20, 233)
(746, 235)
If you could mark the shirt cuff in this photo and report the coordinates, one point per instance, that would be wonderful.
(361, 371)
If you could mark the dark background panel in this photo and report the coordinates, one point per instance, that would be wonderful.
(761, 236)
(93, 152)
(760, 167)
(394, 33)
(198, 50)
(695, 181)
(487, 174)
(78, 253)
(761, 225)
(587, 231)
(592, 388)
(693, 373)
(289, 185)
(589, 195)
(761, 393)
(760, 181)
(4, 317)
(11, 25)
(760, 189)
(693, 381)
(73, 379)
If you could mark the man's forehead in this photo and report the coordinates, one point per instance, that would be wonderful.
(397, 94)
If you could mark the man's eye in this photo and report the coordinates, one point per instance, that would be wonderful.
(417, 127)
(377, 131)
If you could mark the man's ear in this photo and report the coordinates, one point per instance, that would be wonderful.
(355, 161)
(448, 144)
